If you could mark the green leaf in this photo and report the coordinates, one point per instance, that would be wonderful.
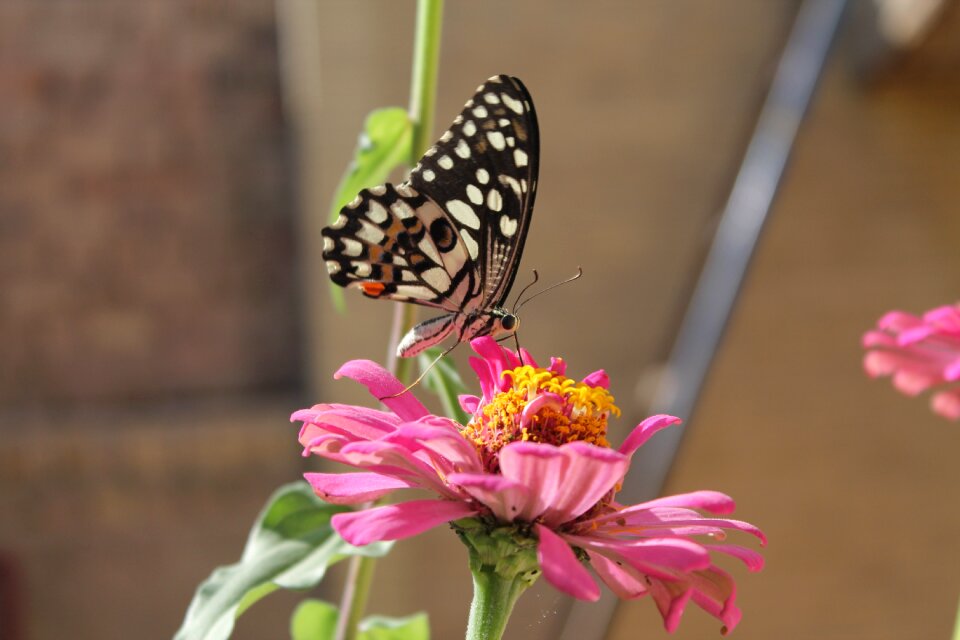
(317, 620)
(290, 546)
(444, 380)
(384, 145)
(414, 627)
(314, 620)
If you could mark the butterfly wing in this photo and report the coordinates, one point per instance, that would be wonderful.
(393, 242)
(483, 174)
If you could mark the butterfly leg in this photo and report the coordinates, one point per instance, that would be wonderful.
(422, 375)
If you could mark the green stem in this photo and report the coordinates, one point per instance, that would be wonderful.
(423, 90)
(956, 628)
(423, 93)
(493, 600)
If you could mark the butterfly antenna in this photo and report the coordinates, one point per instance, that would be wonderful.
(551, 287)
(516, 340)
(422, 375)
(536, 276)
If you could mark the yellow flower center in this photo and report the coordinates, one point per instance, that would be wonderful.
(540, 406)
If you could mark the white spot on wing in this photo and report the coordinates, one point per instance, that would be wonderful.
(408, 276)
(464, 213)
(508, 227)
(376, 212)
(445, 162)
(503, 122)
(491, 98)
(378, 190)
(482, 176)
(415, 291)
(515, 105)
(405, 190)
(447, 136)
(402, 210)
(339, 223)
(328, 244)
(370, 233)
(510, 141)
(430, 151)
(351, 247)
(476, 197)
(480, 112)
(472, 248)
(494, 200)
(520, 157)
(428, 175)
(512, 182)
(333, 266)
(353, 204)
(463, 149)
(496, 140)
(469, 129)
(361, 269)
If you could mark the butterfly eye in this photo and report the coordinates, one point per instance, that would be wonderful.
(510, 322)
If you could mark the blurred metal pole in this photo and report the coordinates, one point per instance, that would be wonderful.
(713, 299)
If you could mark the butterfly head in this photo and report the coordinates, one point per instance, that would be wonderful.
(507, 323)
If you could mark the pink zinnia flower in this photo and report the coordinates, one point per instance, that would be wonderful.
(919, 353)
(533, 461)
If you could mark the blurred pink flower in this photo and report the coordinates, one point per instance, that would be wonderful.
(535, 457)
(919, 353)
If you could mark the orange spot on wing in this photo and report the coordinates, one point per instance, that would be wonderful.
(372, 288)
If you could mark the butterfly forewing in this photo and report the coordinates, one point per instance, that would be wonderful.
(483, 173)
(450, 237)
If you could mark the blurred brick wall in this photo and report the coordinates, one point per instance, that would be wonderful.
(145, 228)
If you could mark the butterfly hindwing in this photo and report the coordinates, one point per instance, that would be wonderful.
(392, 242)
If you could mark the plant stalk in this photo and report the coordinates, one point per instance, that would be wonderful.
(423, 91)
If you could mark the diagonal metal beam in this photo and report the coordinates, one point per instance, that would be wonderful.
(747, 209)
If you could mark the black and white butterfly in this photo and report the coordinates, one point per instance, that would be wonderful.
(451, 236)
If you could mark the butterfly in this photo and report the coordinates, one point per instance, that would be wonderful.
(451, 235)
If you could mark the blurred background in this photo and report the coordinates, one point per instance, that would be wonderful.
(165, 168)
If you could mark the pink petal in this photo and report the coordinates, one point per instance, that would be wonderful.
(562, 568)
(715, 592)
(545, 399)
(598, 378)
(642, 432)
(397, 521)
(558, 366)
(749, 557)
(356, 423)
(506, 499)
(565, 481)
(951, 373)
(381, 383)
(469, 403)
(671, 599)
(440, 441)
(389, 459)
(351, 488)
(645, 517)
(712, 501)
(625, 581)
(661, 557)
(946, 404)
(898, 321)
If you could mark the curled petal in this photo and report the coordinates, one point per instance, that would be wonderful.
(382, 384)
(562, 568)
(641, 516)
(642, 432)
(664, 558)
(507, 500)
(542, 400)
(749, 557)
(671, 599)
(351, 488)
(397, 521)
(625, 581)
(598, 378)
(558, 366)
(468, 403)
(712, 501)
